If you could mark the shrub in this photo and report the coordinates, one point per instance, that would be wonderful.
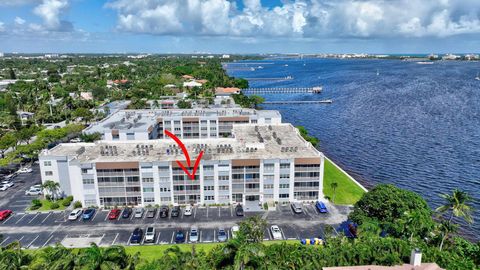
(66, 202)
(36, 202)
(77, 204)
(48, 197)
(54, 205)
(69, 198)
(35, 207)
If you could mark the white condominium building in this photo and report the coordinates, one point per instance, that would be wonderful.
(257, 163)
(187, 124)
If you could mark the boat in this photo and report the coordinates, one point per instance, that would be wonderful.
(260, 67)
(425, 63)
(378, 72)
(478, 77)
(252, 69)
(289, 77)
(286, 65)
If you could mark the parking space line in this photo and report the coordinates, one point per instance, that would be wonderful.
(20, 219)
(214, 236)
(207, 211)
(36, 215)
(158, 238)
(173, 234)
(46, 217)
(95, 215)
(29, 245)
(195, 212)
(4, 240)
(219, 215)
(181, 213)
(9, 217)
(200, 238)
(283, 235)
(106, 218)
(231, 211)
(51, 236)
(132, 214)
(130, 238)
(115, 239)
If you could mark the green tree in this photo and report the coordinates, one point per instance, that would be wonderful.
(334, 186)
(12, 75)
(446, 228)
(83, 113)
(252, 229)
(182, 104)
(457, 204)
(6, 141)
(255, 101)
(52, 187)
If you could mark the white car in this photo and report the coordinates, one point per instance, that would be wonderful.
(276, 233)
(234, 231)
(34, 191)
(194, 234)
(150, 235)
(3, 187)
(25, 170)
(75, 214)
(7, 183)
(138, 212)
(187, 211)
(75, 140)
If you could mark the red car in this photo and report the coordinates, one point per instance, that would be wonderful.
(114, 214)
(4, 214)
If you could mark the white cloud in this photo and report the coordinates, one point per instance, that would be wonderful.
(50, 11)
(299, 18)
(2, 27)
(19, 21)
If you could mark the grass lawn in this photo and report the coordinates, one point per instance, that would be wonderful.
(347, 192)
(156, 251)
(47, 205)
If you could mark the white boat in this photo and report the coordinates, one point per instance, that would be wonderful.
(425, 63)
(286, 65)
(378, 72)
(478, 77)
(259, 67)
(252, 69)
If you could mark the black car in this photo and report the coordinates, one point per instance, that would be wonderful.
(137, 236)
(127, 211)
(164, 211)
(175, 211)
(239, 210)
(151, 212)
(179, 237)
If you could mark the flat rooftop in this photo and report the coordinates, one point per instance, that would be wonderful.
(141, 120)
(251, 141)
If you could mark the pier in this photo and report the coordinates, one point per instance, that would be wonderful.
(283, 90)
(326, 101)
(287, 78)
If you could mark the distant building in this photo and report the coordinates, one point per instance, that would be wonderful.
(1, 54)
(25, 116)
(188, 77)
(471, 57)
(226, 56)
(192, 84)
(226, 91)
(86, 95)
(450, 57)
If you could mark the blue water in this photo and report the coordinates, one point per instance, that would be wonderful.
(416, 126)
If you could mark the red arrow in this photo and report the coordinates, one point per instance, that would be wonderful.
(187, 157)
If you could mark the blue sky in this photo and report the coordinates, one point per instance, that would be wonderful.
(242, 26)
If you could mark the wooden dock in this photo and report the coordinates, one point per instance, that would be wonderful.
(287, 78)
(326, 101)
(283, 90)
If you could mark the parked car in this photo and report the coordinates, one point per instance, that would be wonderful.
(4, 214)
(7, 183)
(37, 186)
(187, 211)
(194, 234)
(127, 211)
(164, 211)
(150, 235)
(137, 236)
(10, 176)
(175, 211)
(322, 208)
(88, 214)
(234, 231)
(114, 214)
(34, 191)
(151, 212)
(75, 140)
(296, 207)
(179, 237)
(276, 233)
(239, 210)
(3, 187)
(76, 213)
(138, 212)
(25, 170)
(222, 235)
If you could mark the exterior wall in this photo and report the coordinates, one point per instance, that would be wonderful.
(161, 183)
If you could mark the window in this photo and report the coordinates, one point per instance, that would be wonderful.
(48, 173)
(146, 166)
(268, 178)
(223, 187)
(115, 137)
(209, 198)
(254, 121)
(147, 180)
(208, 167)
(223, 178)
(208, 188)
(224, 197)
(268, 186)
(164, 179)
(163, 169)
(284, 176)
(148, 189)
(284, 165)
(284, 195)
(47, 163)
(268, 196)
(88, 203)
(88, 181)
(284, 185)
(84, 170)
(148, 200)
(268, 167)
(164, 189)
(165, 199)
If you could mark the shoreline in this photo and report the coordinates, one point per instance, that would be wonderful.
(348, 175)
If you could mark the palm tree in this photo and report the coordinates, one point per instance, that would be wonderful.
(413, 222)
(458, 205)
(446, 228)
(334, 186)
(52, 187)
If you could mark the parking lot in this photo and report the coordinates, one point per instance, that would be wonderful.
(35, 230)
(14, 198)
